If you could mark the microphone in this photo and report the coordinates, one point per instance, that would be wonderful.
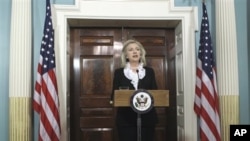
(138, 85)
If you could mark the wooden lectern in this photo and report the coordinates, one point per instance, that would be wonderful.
(122, 97)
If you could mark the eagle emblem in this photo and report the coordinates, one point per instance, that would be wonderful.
(141, 100)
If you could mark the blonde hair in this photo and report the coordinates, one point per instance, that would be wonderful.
(124, 49)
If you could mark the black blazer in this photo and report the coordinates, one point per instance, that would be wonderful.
(125, 115)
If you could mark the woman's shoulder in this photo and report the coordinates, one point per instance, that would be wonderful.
(148, 68)
(119, 70)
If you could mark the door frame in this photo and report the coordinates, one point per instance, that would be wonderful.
(113, 13)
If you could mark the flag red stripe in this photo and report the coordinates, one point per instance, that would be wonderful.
(203, 136)
(36, 106)
(53, 78)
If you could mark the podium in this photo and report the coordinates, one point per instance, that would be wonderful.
(122, 98)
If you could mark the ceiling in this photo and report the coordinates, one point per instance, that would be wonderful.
(122, 23)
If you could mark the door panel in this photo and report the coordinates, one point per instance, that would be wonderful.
(91, 115)
(95, 74)
(94, 57)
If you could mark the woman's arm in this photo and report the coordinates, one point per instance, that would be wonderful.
(153, 82)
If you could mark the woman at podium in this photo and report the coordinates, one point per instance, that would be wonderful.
(134, 75)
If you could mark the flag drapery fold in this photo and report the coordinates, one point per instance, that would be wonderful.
(45, 99)
(206, 103)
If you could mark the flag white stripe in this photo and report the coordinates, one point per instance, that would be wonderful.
(38, 76)
(43, 132)
(214, 81)
(206, 105)
(36, 97)
(208, 83)
(197, 101)
(198, 81)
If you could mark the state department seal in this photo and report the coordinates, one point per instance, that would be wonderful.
(141, 101)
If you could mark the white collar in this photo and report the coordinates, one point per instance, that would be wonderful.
(133, 76)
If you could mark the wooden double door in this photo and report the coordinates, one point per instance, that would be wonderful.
(94, 55)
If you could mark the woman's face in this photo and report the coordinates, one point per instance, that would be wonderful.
(133, 52)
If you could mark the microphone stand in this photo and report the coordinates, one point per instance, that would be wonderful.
(138, 127)
(138, 114)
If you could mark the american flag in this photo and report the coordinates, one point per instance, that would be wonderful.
(45, 99)
(206, 103)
